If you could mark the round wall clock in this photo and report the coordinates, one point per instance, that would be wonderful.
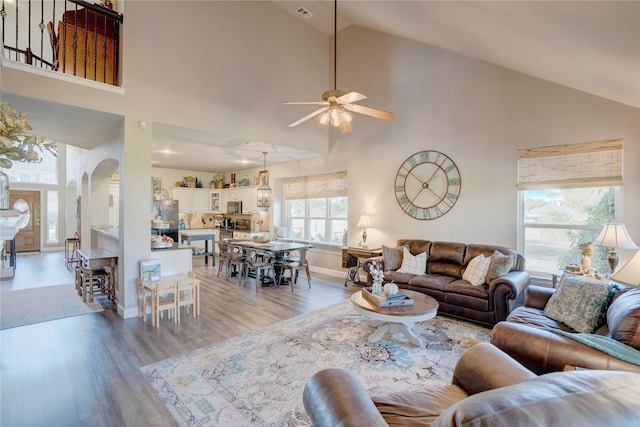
(427, 185)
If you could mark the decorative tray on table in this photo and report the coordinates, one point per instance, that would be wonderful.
(383, 300)
(161, 242)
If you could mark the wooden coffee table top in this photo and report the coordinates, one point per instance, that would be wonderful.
(424, 307)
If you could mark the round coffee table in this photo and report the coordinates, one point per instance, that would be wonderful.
(396, 319)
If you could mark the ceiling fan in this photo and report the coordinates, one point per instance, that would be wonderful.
(337, 105)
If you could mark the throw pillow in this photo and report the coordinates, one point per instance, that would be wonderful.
(579, 303)
(476, 271)
(413, 264)
(281, 232)
(499, 266)
(392, 257)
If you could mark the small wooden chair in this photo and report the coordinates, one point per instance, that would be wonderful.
(145, 299)
(188, 295)
(164, 299)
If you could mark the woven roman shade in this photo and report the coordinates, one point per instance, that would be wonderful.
(310, 187)
(583, 165)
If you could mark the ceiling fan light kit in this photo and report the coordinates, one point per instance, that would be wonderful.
(338, 104)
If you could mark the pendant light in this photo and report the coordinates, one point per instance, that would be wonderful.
(264, 191)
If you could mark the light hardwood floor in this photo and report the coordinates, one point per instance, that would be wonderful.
(84, 370)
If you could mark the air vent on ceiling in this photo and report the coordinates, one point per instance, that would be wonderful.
(304, 12)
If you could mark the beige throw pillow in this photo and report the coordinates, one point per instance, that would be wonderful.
(476, 271)
(413, 264)
(500, 265)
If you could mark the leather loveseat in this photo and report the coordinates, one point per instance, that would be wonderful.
(488, 388)
(486, 304)
(527, 334)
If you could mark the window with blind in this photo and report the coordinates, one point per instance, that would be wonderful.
(316, 207)
(567, 193)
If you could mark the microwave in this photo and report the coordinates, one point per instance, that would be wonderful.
(234, 207)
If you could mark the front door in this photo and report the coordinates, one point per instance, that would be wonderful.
(28, 238)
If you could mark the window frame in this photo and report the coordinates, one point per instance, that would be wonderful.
(307, 218)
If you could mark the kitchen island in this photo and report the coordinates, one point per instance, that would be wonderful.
(201, 234)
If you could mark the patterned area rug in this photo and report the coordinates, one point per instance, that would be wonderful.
(257, 379)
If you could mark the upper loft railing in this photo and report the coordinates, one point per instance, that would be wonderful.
(82, 39)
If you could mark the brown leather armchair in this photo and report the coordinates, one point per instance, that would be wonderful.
(527, 334)
(488, 388)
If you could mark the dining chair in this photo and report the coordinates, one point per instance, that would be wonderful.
(237, 262)
(224, 249)
(164, 299)
(261, 263)
(301, 263)
(188, 296)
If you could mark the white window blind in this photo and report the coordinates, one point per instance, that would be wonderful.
(583, 165)
(310, 187)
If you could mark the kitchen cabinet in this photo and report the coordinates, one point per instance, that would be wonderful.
(194, 200)
(247, 195)
(250, 201)
(214, 201)
(224, 198)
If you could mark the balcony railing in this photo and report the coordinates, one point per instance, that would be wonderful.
(82, 39)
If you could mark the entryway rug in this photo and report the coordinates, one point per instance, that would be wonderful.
(28, 306)
(257, 379)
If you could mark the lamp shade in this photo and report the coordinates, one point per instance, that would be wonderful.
(614, 235)
(364, 221)
(629, 274)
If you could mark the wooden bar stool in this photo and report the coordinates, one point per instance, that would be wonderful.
(94, 282)
(71, 245)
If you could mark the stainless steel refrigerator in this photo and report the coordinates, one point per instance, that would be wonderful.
(168, 211)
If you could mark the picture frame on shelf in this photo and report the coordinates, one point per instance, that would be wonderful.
(263, 177)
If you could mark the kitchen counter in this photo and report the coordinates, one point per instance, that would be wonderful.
(113, 232)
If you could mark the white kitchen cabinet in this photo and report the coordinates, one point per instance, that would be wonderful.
(191, 199)
(214, 201)
(224, 198)
(250, 200)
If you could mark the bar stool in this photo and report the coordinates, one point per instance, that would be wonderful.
(71, 245)
(94, 282)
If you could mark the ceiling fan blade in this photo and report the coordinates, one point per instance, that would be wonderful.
(350, 97)
(308, 116)
(306, 103)
(378, 114)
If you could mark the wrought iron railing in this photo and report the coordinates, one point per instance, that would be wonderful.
(82, 39)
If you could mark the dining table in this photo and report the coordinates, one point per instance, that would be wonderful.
(97, 257)
(276, 248)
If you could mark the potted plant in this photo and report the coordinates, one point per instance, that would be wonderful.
(218, 180)
(17, 145)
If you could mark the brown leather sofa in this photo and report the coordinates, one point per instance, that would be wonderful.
(488, 388)
(486, 304)
(526, 338)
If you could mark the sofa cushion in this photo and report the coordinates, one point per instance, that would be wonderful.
(577, 398)
(532, 316)
(416, 408)
(399, 278)
(500, 265)
(446, 258)
(623, 318)
(416, 246)
(476, 271)
(580, 304)
(392, 257)
(431, 281)
(413, 264)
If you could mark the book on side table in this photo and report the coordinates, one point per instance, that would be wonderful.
(383, 300)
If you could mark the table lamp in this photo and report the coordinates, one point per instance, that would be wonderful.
(629, 274)
(614, 236)
(364, 222)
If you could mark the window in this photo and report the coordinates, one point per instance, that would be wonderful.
(52, 217)
(44, 172)
(567, 193)
(316, 207)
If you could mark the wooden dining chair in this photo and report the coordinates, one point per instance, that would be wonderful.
(145, 299)
(237, 262)
(164, 299)
(224, 249)
(261, 263)
(188, 296)
(300, 263)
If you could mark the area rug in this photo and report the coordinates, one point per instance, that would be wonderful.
(257, 379)
(28, 306)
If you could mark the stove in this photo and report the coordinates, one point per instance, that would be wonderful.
(226, 233)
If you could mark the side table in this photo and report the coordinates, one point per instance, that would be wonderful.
(556, 275)
(352, 258)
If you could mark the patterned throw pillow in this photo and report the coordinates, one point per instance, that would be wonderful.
(413, 264)
(392, 257)
(580, 304)
(476, 271)
(499, 266)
